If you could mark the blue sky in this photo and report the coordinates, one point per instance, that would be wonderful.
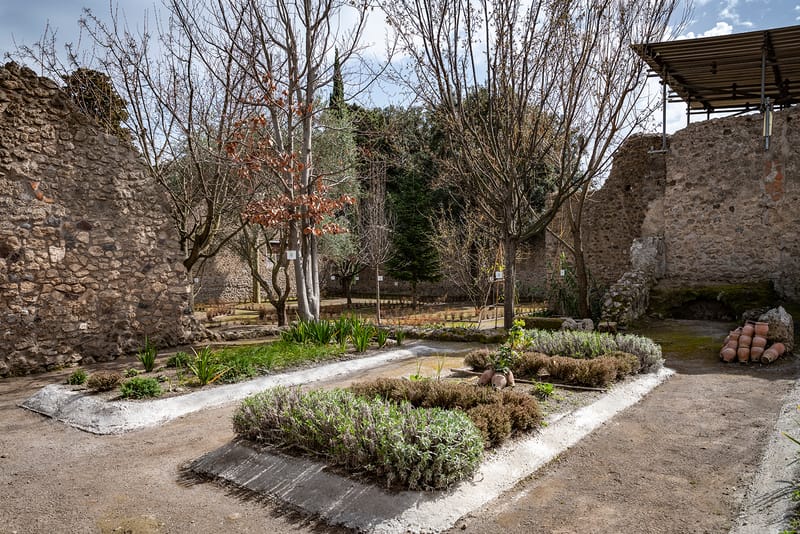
(24, 21)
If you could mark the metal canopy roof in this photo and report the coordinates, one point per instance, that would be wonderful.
(730, 72)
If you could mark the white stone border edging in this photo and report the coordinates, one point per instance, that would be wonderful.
(98, 416)
(767, 502)
(308, 486)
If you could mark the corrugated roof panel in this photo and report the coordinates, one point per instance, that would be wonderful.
(724, 72)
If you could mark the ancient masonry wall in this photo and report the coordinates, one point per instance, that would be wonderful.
(224, 278)
(89, 262)
(628, 206)
(731, 207)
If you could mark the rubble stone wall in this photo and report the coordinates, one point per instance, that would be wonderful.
(89, 261)
(731, 207)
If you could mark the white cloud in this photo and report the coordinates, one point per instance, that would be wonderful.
(797, 9)
(730, 13)
(720, 28)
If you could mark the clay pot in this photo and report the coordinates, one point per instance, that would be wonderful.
(748, 329)
(755, 353)
(499, 380)
(779, 348)
(743, 354)
(486, 377)
(728, 354)
(769, 356)
(734, 344)
(745, 341)
(734, 334)
(759, 342)
(761, 329)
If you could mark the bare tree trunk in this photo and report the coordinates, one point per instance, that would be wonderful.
(509, 276)
(303, 309)
(377, 294)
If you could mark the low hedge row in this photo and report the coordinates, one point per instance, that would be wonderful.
(407, 447)
(595, 372)
(497, 414)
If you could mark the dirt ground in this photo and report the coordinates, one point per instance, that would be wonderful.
(679, 461)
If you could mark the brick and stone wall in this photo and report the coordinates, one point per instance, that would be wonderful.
(89, 261)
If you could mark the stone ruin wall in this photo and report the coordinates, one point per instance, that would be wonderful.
(726, 209)
(629, 205)
(223, 278)
(732, 209)
(89, 261)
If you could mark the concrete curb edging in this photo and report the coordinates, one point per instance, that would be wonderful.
(306, 485)
(97, 416)
(767, 503)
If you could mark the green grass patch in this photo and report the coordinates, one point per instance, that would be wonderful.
(254, 360)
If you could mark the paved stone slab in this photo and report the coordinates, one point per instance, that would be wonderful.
(308, 486)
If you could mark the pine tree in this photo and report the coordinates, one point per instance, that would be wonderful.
(336, 102)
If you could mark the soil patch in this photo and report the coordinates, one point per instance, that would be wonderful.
(682, 460)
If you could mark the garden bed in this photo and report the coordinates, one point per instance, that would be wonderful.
(93, 413)
(315, 489)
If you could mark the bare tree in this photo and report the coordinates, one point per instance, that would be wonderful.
(375, 229)
(473, 253)
(514, 86)
(289, 45)
(257, 243)
(184, 96)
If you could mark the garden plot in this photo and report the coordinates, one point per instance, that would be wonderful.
(309, 486)
(99, 416)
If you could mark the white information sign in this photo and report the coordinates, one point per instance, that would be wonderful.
(291, 254)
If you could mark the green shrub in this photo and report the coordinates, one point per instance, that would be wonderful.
(77, 377)
(587, 345)
(179, 359)
(140, 387)
(360, 335)
(103, 380)
(343, 326)
(130, 373)
(406, 447)
(647, 350)
(522, 410)
(320, 332)
(206, 368)
(381, 336)
(147, 356)
(543, 389)
(399, 336)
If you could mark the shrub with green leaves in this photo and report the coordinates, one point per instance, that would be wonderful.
(360, 335)
(587, 345)
(147, 356)
(77, 377)
(248, 361)
(206, 367)
(140, 387)
(406, 447)
(399, 336)
(179, 359)
(520, 409)
(381, 337)
(103, 380)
